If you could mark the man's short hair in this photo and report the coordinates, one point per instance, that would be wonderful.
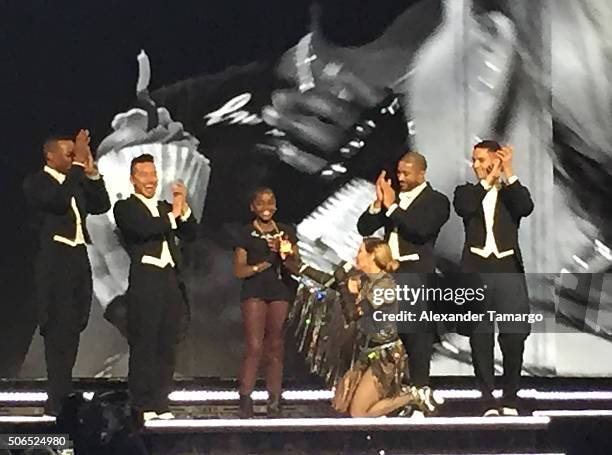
(144, 158)
(51, 142)
(490, 145)
(416, 158)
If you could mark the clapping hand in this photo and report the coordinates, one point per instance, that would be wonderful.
(505, 155)
(384, 187)
(81, 151)
(379, 193)
(494, 172)
(91, 170)
(179, 199)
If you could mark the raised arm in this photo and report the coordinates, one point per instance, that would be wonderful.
(96, 196)
(187, 226)
(516, 197)
(373, 219)
(518, 200)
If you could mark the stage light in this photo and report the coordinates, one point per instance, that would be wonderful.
(308, 395)
(324, 395)
(457, 394)
(27, 419)
(23, 397)
(566, 395)
(574, 413)
(306, 424)
(203, 395)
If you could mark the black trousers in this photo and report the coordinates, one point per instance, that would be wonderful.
(506, 292)
(155, 305)
(64, 290)
(418, 337)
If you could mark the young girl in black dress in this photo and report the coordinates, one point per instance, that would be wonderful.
(260, 248)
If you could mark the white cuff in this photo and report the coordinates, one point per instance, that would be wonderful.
(512, 179)
(485, 185)
(96, 176)
(76, 163)
(172, 220)
(185, 216)
(391, 209)
(373, 210)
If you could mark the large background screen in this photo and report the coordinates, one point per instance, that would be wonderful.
(530, 74)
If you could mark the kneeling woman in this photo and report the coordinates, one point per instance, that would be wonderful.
(372, 386)
(266, 291)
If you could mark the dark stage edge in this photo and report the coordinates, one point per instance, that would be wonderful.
(311, 427)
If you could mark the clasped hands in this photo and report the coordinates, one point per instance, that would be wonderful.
(385, 194)
(501, 164)
(179, 199)
(81, 153)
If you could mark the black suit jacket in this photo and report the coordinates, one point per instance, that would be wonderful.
(144, 234)
(51, 200)
(513, 203)
(418, 226)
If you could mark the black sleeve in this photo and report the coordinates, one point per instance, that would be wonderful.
(369, 223)
(468, 199)
(96, 196)
(187, 230)
(46, 195)
(348, 302)
(137, 224)
(518, 200)
(347, 299)
(419, 225)
(319, 276)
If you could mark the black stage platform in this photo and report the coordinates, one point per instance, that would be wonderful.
(559, 417)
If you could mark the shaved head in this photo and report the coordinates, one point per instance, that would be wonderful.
(416, 159)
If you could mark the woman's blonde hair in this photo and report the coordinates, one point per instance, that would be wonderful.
(383, 257)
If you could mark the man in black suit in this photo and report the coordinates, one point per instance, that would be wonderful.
(63, 193)
(155, 294)
(492, 210)
(412, 221)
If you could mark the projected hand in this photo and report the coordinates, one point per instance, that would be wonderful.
(320, 118)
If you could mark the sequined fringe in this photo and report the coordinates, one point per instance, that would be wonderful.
(328, 342)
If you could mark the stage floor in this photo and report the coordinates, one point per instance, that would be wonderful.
(558, 417)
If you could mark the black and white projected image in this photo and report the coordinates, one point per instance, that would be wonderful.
(436, 76)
